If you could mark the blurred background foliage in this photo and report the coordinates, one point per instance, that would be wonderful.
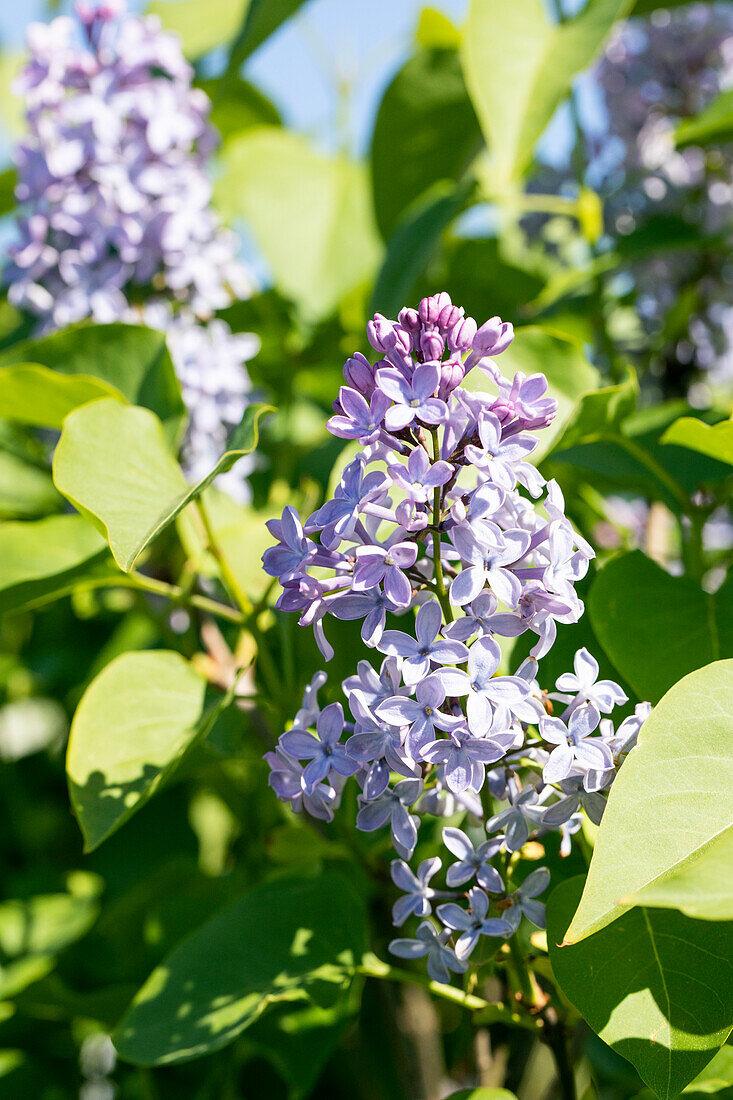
(549, 162)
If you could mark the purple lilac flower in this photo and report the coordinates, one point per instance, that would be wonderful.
(430, 943)
(584, 683)
(325, 752)
(388, 565)
(422, 713)
(418, 653)
(523, 901)
(575, 745)
(473, 861)
(523, 814)
(391, 806)
(418, 893)
(447, 526)
(472, 923)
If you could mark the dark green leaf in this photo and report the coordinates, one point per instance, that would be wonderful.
(656, 986)
(713, 124)
(426, 131)
(261, 19)
(413, 245)
(654, 627)
(132, 359)
(284, 941)
(25, 490)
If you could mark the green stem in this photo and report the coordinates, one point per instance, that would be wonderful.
(231, 583)
(441, 591)
(372, 967)
(522, 971)
(171, 592)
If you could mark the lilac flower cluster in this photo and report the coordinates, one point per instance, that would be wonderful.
(115, 196)
(655, 73)
(439, 514)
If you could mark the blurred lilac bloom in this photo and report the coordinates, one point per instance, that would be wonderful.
(417, 653)
(418, 892)
(441, 959)
(422, 713)
(487, 551)
(286, 780)
(523, 900)
(473, 861)
(287, 559)
(371, 606)
(499, 457)
(523, 813)
(377, 563)
(391, 806)
(325, 752)
(412, 399)
(472, 923)
(574, 744)
(464, 758)
(604, 694)
(485, 690)
(420, 477)
(359, 420)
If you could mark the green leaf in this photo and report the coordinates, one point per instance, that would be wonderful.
(654, 627)
(713, 124)
(716, 441)
(33, 394)
(113, 464)
(201, 24)
(426, 115)
(8, 179)
(701, 887)
(599, 413)
(664, 806)
(285, 941)
(25, 490)
(131, 359)
(133, 724)
(540, 349)
(656, 986)
(435, 31)
(45, 924)
(263, 17)
(519, 67)
(413, 245)
(310, 215)
(42, 559)
(238, 106)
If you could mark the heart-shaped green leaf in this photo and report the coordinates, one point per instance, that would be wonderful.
(131, 728)
(656, 986)
(664, 808)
